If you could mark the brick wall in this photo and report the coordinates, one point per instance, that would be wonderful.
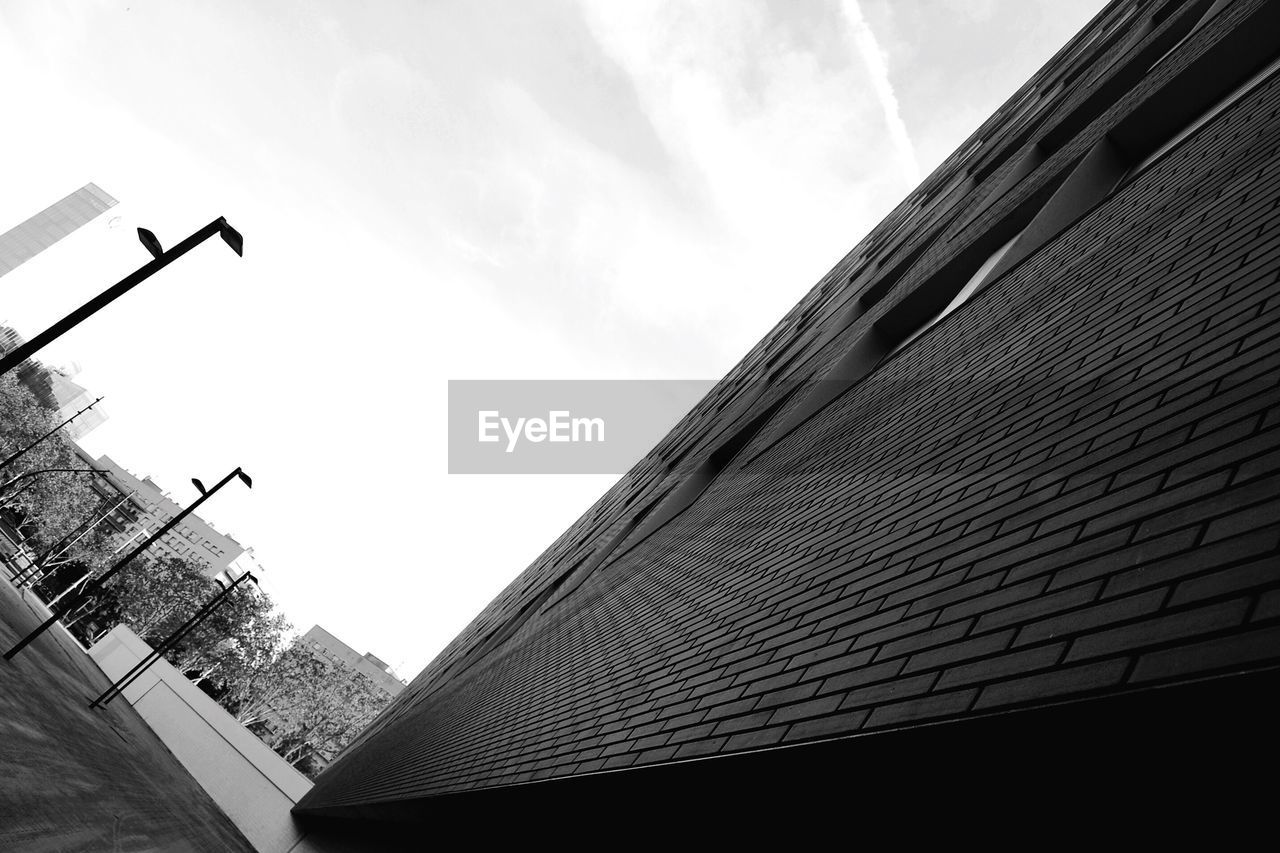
(1067, 488)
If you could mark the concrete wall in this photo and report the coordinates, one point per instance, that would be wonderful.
(254, 786)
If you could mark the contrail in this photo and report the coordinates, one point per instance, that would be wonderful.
(877, 66)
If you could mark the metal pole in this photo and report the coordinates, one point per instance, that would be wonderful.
(21, 353)
(48, 554)
(91, 588)
(6, 463)
(39, 564)
(44, 561)
(142, 531)
(187, 627)
(88, 574)
(155, 654)
(79, 582)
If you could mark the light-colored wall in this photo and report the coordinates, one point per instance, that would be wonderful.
(254, 786)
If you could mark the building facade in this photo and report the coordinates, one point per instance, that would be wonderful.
(329, 648)
(23, 242)
(143, 507)
(995, 504)
(55, 390)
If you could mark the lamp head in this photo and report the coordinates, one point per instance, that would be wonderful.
(231, 237)
(150, 242)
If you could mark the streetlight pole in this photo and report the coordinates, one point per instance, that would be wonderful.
(142, 531)
(23, 576)
(161, 259)
(15, 457)
(87, 530)
(155, 654)
(80, 532)
(92, 587)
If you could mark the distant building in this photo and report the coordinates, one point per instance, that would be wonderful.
(246, 563)
(70, 398)
(23, 242)
(329, 648)
(149, 508)
(54, 389)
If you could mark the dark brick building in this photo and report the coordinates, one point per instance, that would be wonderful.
(1010, 468)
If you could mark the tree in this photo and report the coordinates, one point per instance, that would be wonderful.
(308, 707)
(156, 595)
(51, 508)
(239, 639)
(251, 697)
(22, 420)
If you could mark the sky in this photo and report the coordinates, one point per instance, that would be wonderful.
(437, 190)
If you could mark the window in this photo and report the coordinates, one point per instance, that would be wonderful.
(1109, 163)
(970, 288)
(1209, 13)
(1027, 163)
(1205, 117)
(1031, 103)
(680, 497)
(1113, 80)
(968, 152)
(1079, 59)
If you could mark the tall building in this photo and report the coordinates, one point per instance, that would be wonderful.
(23, 242)
(20, 244)
(985, 528)
(70, 397)
(55, 390)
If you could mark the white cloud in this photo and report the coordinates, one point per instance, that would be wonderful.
(449, 190)
(877, 65)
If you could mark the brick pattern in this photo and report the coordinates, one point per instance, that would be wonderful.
(1069, 487)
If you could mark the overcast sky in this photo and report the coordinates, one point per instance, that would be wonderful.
(451, 190)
